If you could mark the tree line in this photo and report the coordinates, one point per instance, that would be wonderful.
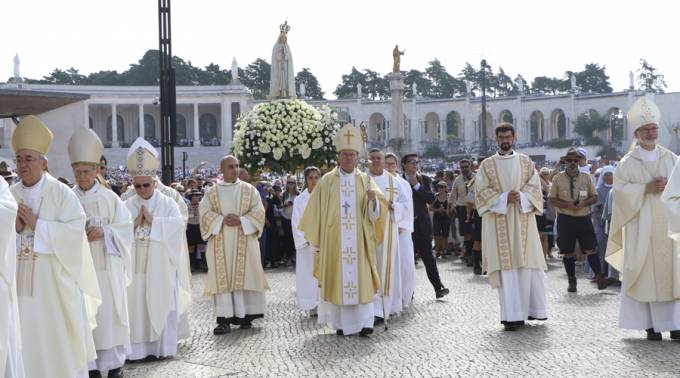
(432, 82)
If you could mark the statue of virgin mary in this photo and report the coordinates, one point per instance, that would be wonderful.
(282, 83)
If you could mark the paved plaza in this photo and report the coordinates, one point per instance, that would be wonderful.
(458, 336)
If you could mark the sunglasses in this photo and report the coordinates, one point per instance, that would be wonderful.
(146, 185)
(412, 161)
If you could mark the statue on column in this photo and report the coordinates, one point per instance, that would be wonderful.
(573, 83)
(359, 94)
(468, 89)
(17, 73)
(282, 72)
(234, 72)
(414, 89)
(303, 90)
(631, 80)
(396, 55)
(519, 81)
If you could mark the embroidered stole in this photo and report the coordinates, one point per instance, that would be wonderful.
(503, 244)
(225, 281)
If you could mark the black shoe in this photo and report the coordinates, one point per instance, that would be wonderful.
(339, 332)
(245, 324)
(441, 292)
(477, 270)
(510, 326)
(221, 329)
(653, 336)
(365, 332)
(601, 281)
(116, 373)
(468, 261)
(378, 320)
(675, 335)
(572, 285)
(95, 374)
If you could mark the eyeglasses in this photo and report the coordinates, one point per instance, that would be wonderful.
(145, 185)
(648, 130)
(412, 161)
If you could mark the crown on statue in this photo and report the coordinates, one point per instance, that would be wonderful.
(284, 28)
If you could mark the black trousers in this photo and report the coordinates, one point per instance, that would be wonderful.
(423, 244)
(288, 243)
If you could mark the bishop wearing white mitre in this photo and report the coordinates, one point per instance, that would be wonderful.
(157, 292)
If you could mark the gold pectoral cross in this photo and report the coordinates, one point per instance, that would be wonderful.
(350, 290)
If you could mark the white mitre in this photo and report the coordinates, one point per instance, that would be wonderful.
(643, 112)
(32, 134)
(348, 138)
(85, 147)
(142, 159)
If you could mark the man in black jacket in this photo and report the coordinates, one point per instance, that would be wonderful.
(421, 186)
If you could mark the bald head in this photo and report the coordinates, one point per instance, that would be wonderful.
(229, 168)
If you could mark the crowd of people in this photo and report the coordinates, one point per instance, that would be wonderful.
(98, 272)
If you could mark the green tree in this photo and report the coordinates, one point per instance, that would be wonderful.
(548, 85)
(593, 79)
(69, 76)
(471, 75)
(588, 123)
(649, 79)
(423, 83)
(257, 77)
(214, 75)
(376, 86)
(312, 87)
(443, 84)
(348, 87)
(504, 84)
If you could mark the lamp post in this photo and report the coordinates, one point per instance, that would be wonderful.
(168, 102)
(483, 146)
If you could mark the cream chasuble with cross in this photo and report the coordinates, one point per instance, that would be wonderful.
(11, 362)
(388, 253)
(639, 244)
(340, 223)
(235, 275)
(57, 287)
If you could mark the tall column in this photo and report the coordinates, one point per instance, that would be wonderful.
(197, 136)
(396, 80)
(141, 121)
(114, 126)
(225, 124)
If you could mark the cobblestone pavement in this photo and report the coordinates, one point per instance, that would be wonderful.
(458, 336)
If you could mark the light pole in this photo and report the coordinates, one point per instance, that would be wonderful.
(167, 93)
(483, 146)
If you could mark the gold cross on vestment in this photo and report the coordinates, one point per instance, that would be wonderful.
(349, 135)
(349, 255)
(392, 191)
(350, 291)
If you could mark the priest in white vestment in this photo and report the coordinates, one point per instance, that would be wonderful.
(11, 362)
(156, 292)
(109, 232)
(232, 220)
(344, 222)
(306, 285)
(57, 287)
(508, 196)
(404, 220)
(388, 254)
(640, 246)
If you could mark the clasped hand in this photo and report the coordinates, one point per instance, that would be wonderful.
(231, 220)
(94, 233)
(144, 213)
(25, 217)
(657, 185)
(513, 197)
